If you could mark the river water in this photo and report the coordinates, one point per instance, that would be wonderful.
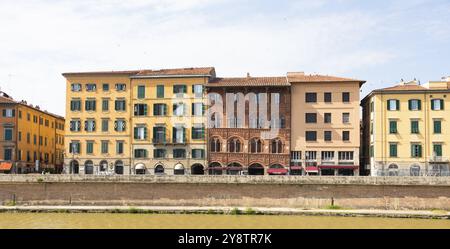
(195, 221)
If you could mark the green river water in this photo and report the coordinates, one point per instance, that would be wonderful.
(197, 221)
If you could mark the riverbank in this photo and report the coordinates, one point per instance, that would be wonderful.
(332, 211)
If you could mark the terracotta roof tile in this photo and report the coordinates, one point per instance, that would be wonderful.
(249, 81)
(4, 100)
(178, 71)
(403, 88)
(301, 77)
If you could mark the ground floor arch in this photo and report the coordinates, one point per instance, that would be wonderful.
(140, 169)
(159, 169)
(197, 169)
(234, 168)
(118, 167)
(74, 167)
(103, 166)
(89, 167)
(178, 169)
(215, 168)
(256, 169)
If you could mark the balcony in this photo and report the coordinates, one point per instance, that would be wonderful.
(438, 159)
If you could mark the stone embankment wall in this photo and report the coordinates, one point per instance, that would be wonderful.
(230, 191)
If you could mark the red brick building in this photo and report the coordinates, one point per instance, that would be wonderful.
(246, 138)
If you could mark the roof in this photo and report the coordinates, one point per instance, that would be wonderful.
(5, 100)
(191, 71)
(304, 78)
(248, 81)
(403, 88)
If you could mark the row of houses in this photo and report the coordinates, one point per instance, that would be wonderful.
(190, 121)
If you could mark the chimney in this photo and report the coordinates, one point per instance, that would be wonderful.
(293, 74)
(447, 79)
(248, 75)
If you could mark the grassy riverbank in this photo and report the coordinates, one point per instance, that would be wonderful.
(329, 211)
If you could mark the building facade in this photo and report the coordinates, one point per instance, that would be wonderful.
(137, 122)
(249, 125)
(325, 134)
(31, 139)
(406, 129)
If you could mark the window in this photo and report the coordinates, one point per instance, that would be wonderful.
(28, 138)
(393, 150)
(140, 133)
(437, 127)
(327, 118)
(75, 125)
(345, 155)
(327, 97)
(371, 151)
(311, 136)
(393, 127)
(75, 105)
(120, 105)
(215, 145)
(296, 156)
(179, 89)
(198, 109)
(179, 109)
(310, 118)
(105, 147)
(140, 153)
(198, 132)
(140, 110)
(141, 92)
(416, 150)
(276, 146)
(119, 147)
(34, 139)
(197, 90)
(74, 147)
(179, 153)
(345, 97)
(28, 117)
(121, 87)
(8, 134)
(20, 136)
(327, 155)
(198, 153)
(105, 105)
(159, 134)
(8, 154)
(414, 127)
(179, 134)
(105, 87)
(160, 91)
(346, 136)
(311, 157)
(120, 125)
(89, 147)
(159, 153)
(89, 125)
(91, 87)
(437, 150)
(255, 145)
(327, 136)
(234, 145)
(90, 104)
(414, 105)
(159, 109)
(276, 98)
(105, 125)
(345, 118)
(310, 97)
(9, 113)
(75, 87)
(393, 105)
(437, 104)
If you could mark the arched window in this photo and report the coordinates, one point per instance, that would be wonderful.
(234, 145)
(89, 167)
(118, 169)
(393, 170)
(178, 169)
(103, 166)
(140, 169)
(256, 145)
(159, 169)
(197, 169)
(215, 169)
(234, 169)
(276, 146)
(215, 145)
(74, 167)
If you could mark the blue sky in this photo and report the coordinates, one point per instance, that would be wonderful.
(378, 41)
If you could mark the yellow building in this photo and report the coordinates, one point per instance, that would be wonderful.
(32, 139)
(325, 132)
(406, 129)
(136, 122)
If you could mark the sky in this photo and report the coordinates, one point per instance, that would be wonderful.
(379, 41)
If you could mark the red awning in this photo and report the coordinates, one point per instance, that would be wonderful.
(338, 166)
(296, 167)
(277, 171)
(311, 168)
(234, 168)
(5, 166)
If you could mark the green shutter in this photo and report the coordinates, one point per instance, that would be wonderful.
(432, 105)
(174, 131)
(442, 104)
(420, 150)
(145, 133)
(398, 104)
(192, 109)
(437, 127)
(136, 132)
(389, 105)
(184, 89)
(419, 104)
(154, 132)
(410, 104)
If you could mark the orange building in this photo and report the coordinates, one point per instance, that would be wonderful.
(31, 139)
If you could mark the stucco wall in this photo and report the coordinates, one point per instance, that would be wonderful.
(301, 192)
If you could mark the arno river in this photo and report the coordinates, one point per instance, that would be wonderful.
(193, 221)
